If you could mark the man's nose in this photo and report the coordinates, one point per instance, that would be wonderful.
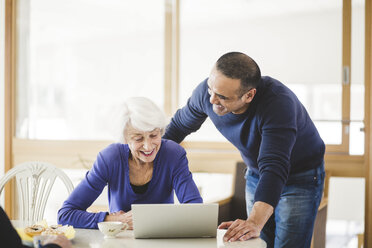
(213, 99)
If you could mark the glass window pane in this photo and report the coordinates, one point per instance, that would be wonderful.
(297, 42)
(207, 132)
(356, 138)
(330, 131)
(77, 60)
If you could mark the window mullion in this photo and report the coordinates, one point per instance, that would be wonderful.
(346, 65)
(171, 56)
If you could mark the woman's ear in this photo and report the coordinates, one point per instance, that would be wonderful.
(124, 137)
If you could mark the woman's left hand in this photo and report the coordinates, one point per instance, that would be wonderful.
(128, 218)
(125, 217)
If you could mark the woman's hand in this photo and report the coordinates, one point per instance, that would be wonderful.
(125, 217)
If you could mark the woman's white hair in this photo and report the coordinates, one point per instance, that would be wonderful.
(143, 114)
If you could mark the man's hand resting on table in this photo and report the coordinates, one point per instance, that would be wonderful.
(125, 217)
(250, 228)
(240, 230)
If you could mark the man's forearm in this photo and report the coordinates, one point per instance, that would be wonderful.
(260, 213)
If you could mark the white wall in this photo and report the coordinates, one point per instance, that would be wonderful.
(2, 28)
(346, 199)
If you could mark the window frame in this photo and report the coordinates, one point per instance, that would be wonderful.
(18, 150)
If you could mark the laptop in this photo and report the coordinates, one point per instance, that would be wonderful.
(195, 220)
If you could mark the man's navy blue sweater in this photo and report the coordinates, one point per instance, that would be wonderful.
(275, 135)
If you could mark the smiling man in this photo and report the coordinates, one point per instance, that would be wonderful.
(277, 140)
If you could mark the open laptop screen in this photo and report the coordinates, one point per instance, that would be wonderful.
(175, 220)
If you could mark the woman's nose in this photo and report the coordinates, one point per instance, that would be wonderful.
(147, 145)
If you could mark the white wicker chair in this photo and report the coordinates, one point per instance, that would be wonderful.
(34, 182)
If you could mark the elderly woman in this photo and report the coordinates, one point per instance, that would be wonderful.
(142, 169)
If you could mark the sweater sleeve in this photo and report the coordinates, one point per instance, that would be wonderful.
(8, 235)
(183, 184)
(278, 137)
(189, 118)
(73, 211)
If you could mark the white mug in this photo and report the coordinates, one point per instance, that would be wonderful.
(111, 228)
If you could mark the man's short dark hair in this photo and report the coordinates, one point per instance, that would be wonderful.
(236, 65)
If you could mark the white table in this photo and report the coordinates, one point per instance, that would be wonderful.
(93, 238)
(86, 238)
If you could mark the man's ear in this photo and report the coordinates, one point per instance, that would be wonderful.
(248, 97)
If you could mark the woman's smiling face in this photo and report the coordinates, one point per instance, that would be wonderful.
(143, 145)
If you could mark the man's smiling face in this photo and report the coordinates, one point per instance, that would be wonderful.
(225, 94)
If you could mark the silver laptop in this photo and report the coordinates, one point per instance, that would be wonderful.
(175, 220)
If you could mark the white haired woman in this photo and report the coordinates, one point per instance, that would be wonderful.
(144, 168)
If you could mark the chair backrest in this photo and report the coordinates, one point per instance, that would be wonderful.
(34, 182)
